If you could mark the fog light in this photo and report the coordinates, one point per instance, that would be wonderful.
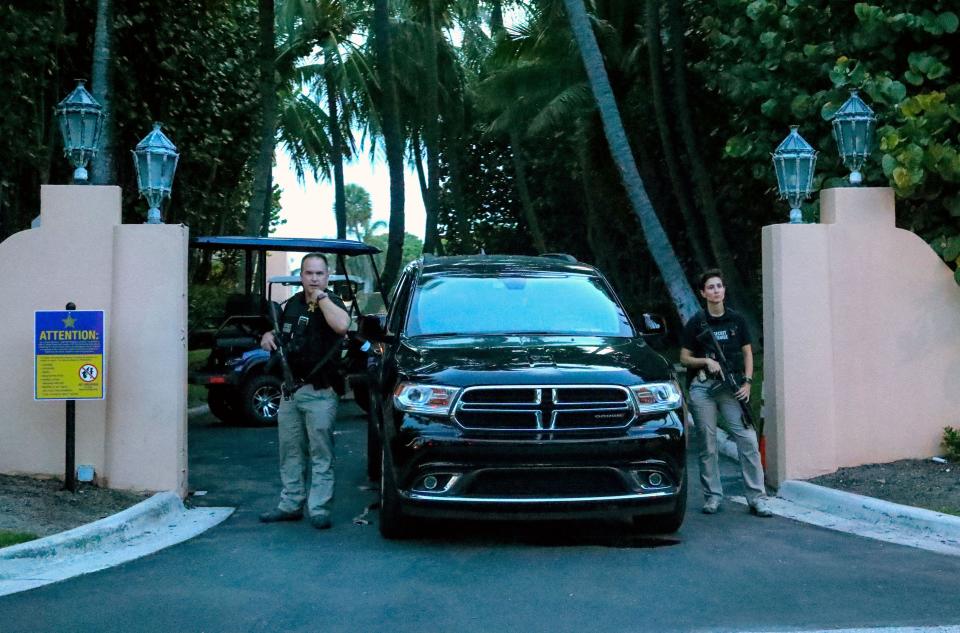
(655, 479)
(430, 482)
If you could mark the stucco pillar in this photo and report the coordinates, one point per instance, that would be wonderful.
(798, 384)
(68, 258)
(146, 415)
(136, 274)
(860, 365)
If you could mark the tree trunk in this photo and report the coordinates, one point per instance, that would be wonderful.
(392, 140)
(659, 245)
(738, 298)
(336, 151)
(431, 134)
(496, 17)
(417, 150)
(103, 171)
(258, 212)
(526, 202)
(674, 173)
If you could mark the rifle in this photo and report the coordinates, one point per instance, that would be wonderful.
(288, 384)
(711, 344)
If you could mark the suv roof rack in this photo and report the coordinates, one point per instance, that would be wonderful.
(561, 256)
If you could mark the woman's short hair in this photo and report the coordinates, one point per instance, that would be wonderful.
(709, 274)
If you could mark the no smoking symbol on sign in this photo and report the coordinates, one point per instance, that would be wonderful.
(88, 373)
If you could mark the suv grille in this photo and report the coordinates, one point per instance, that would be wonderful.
(544, 408)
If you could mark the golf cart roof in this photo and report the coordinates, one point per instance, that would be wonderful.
(288, 244)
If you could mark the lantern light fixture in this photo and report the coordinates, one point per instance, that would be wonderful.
(81, 123)
(854, 126)
(155, 161)
(794, 161)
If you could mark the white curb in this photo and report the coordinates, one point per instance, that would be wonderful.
(149, 526)
(922, 523)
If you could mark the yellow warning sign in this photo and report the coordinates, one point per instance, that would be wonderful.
(69, 355)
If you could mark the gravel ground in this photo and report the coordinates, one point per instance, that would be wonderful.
(39, 506)
(915, 482)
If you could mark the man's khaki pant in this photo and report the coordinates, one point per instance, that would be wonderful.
(305, 427)
(704, 406)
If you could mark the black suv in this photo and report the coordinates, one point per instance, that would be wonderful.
(517, 387)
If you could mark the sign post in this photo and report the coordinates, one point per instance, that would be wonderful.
(68, 363)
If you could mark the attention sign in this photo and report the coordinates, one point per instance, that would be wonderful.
(68, 355)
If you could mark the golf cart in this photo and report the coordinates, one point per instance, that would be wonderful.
(241, 385)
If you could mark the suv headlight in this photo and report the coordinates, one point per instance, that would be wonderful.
(425, 399)
(657, 396)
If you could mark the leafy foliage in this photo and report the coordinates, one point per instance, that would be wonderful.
(767, 64)
(186, 65)
(951, 443)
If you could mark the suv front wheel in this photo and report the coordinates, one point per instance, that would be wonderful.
(393, 525)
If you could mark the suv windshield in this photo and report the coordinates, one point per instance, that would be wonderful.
(541, 304)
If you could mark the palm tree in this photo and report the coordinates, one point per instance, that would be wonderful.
(257, 212)
(674, 172)
(392, 139)
(701, 176)
(104, 170)
(659, 245)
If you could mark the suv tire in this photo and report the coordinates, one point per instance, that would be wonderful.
(260, 399)
(665, 523)
(374, 450)
(393, 525)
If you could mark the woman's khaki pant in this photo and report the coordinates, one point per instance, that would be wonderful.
(705, 406)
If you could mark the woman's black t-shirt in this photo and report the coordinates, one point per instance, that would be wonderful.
(730, 330)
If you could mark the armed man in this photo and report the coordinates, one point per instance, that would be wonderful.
(713, 338)
(310, 332)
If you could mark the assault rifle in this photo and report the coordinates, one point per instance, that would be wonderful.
(288, 384)
(727, 374)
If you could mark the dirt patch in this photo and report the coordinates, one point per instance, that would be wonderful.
(915, 482)
(39, 506)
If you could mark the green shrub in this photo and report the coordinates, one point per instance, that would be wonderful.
(951, 443)
(206, 305)
(8, 538)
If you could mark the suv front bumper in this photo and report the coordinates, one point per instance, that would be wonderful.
(443, 471)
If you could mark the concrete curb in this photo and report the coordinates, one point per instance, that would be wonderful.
(857, 514)
(151, 525)
(866, 516)
(921, 522)
(200, 408)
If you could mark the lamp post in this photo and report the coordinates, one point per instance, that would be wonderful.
(155, 161)
(81, 122)
(853, 129)
(794, 161)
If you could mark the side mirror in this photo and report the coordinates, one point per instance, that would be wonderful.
(653, 325)
(373, 327)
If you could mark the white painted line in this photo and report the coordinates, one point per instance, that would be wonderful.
(898, 629)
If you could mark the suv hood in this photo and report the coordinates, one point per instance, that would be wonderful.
(462, 361)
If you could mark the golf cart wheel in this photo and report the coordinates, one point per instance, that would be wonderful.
(222, 403)
(261, 399)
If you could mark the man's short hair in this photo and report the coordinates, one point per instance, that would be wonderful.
(709, 274)
(314, 256)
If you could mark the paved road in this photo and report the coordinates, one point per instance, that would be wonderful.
(728, 572)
